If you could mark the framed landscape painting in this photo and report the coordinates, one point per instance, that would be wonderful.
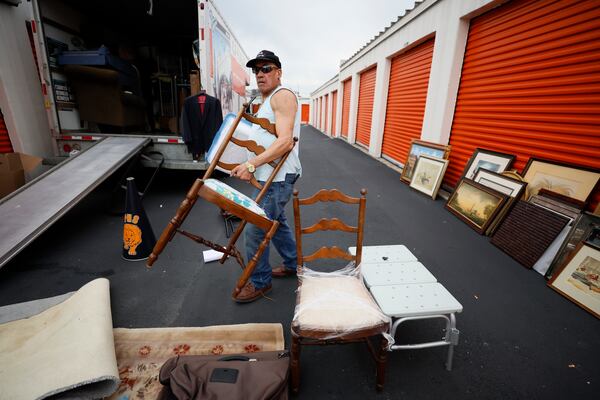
(418, 148)
(579, 278)
(511, 187)
(487, 159)
(428, 175)
(475, 204)
(569, 180)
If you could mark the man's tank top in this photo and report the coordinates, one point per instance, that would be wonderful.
(265, 139)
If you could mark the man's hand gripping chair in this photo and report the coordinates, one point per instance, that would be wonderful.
(335, 307)
(230, 200)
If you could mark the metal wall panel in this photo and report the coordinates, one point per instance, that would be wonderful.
(530, 85)
(407, 93)
(346, 107)
(366, 95)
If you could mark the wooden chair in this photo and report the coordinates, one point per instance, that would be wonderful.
(230, 200)
(334, 307)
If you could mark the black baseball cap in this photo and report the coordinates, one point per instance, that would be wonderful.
(264, 55)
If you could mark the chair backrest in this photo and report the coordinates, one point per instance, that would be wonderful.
(250, 145)
(330, 224)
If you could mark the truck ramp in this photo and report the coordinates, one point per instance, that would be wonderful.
(32, 209)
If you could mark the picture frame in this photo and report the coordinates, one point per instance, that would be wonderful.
(578, 278)
(511, 187)
(571, 180)
(420, 147)
(581, 230)
(475, 204)
(428, 174)
(491, 160)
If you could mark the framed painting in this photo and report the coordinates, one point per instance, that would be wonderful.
(578, 279)
(511, 187)
(582, 230)
(428, 175)
(487, 159)
(418, 148)
(475, 204)
(569, 180)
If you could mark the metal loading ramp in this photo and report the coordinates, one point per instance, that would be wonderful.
(32, 209)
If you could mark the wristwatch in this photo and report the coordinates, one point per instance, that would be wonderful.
(251, 168)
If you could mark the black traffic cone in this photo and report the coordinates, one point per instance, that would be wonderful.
(138, 237)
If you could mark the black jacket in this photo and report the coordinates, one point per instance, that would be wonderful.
(198, 127)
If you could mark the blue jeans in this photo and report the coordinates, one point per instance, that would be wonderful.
(273, 203)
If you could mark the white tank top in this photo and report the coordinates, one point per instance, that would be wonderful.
(265, 139)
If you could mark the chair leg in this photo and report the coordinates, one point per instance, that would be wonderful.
(295, 363)
(182, 212)
(381, 363)
(252, 263)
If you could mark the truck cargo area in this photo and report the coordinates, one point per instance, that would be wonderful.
(32, 209)
(121, 68)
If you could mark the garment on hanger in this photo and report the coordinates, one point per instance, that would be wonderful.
(201, 118)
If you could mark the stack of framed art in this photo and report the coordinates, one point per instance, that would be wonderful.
(536, 217)
(425, 166)
(483, 195)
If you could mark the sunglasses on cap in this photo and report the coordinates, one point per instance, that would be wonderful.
(265, 69)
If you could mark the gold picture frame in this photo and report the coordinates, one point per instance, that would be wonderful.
(428, 175)
(577, 279)
(567, 179)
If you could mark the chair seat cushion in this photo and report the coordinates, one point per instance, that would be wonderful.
(234, 195)
(338, 304)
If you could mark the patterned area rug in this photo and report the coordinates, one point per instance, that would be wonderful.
(141, 352)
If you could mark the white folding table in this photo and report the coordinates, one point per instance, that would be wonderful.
(406, 291)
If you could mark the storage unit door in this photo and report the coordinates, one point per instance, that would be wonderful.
(366, 94)
(409, 79)
(326, 107)
(346, 107)
(5, 145)
(530, 85)
(305, 113)
(333, 111)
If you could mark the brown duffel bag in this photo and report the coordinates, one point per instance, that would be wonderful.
(244, 376)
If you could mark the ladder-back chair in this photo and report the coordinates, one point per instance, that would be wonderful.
(334, 307)
(230, 200)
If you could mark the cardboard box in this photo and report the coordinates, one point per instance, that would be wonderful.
(13, 167)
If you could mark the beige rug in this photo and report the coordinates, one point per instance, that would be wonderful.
(65, 347)
(141, 352)
(66, 350)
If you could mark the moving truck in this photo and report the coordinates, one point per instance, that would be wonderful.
(113, 68)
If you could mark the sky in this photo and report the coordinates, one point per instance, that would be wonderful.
(309, 37)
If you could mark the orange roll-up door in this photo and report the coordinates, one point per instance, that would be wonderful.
(305, 113)
(346, 107)
(5, 145)
(366, 94)
(333, 110)
(409, 79)
(530, 85)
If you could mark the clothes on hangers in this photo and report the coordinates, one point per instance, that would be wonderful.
(201, 118)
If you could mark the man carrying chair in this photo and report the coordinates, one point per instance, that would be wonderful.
(279, 106)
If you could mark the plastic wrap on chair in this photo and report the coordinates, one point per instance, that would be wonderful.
(335, 304)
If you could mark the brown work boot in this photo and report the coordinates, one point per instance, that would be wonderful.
(282, 272)
(249, 293)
